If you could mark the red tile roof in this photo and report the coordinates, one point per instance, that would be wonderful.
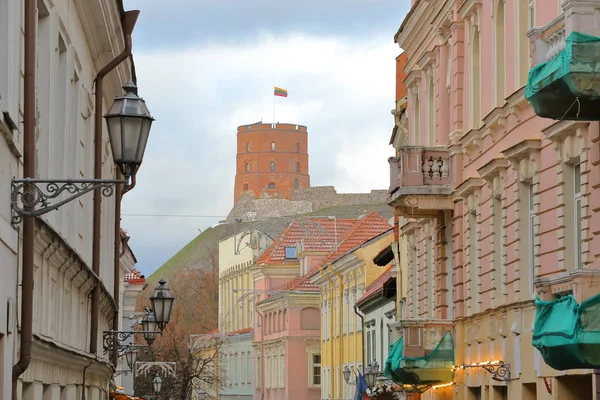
(317, 235)
(376, 288)
(368, 227)
(240, 331)
(299, 284)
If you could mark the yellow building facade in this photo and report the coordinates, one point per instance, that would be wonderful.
(342, 282)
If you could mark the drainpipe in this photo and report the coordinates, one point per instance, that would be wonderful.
(117, 263)
(83, 389)
(331, 301)
(340, 314)
(29, 150)
(363, 341)
(128, 21)
(262, 349)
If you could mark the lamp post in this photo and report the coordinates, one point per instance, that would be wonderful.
(129, 125)
(157, 384)
(113, 340)
(131, 357)
(346, 374)
(371, 374)
(162, 304)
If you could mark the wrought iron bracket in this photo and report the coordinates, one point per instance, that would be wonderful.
(500, 370)
(27, 194)
(112, 341)
(123, 372)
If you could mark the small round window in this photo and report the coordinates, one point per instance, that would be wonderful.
(271, 186)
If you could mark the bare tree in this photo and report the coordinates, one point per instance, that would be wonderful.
(195, 311)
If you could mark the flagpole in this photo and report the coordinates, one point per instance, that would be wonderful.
(274, 108)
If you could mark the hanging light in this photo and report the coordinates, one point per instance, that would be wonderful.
(128, 121)
(162, 304)
(372, 374)
(131, 357)
(157, 384)
(149, 327)
(346, 374)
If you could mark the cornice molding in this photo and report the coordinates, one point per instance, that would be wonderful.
(524, 158)
(472, 142)
(494, 172)
(469, 191)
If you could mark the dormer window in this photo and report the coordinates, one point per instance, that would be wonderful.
(290, 253)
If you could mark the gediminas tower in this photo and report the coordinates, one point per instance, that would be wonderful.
(271, 159)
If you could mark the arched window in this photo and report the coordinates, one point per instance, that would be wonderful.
(297, 147)
(295, 183)
(245, 187)
(272, 146)
(297, 167)
(271, 186)
(247, 147)
(247, 167)
(272, 166)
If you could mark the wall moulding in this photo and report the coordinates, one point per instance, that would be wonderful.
(524, 158)
(569, 138)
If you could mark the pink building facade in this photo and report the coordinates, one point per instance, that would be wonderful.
(499, 206)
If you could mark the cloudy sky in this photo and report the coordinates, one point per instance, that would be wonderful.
(206, 66)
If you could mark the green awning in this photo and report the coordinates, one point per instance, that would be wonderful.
(422, 372)
(568, 85)
(567, 334)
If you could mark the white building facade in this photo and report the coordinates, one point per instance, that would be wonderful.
(75, 40)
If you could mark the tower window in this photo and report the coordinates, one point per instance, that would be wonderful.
(245, 187)
(297, 147)
(247, 147)
(272, 166)
(295, 183)
(271, 186)
(272, 146)
(247, 167)
(297, 167)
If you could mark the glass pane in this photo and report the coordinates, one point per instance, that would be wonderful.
(131, 134)
(578, 237)
(114, 130)
(317, 359)
(577, 178)
(116, 107)
(143, 140)
(134, 107)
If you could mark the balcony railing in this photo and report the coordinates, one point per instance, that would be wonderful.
(420, 170)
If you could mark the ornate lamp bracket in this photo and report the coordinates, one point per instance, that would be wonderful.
(165, 368)
(499, 369)
(27, 194)
(123, 372)
(113, 341)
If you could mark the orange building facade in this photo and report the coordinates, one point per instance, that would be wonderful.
(272, 159)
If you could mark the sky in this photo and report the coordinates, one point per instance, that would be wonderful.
(205, 67)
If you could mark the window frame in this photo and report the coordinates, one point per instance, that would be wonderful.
(290, 248)
(577, 215)
(273, 146)
(311, 373)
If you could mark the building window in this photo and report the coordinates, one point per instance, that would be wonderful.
(417, 117)
(531, 236)
(295, 183)
(577, 216)
(297, 147)
(281, 369)
(271, 186)
(290, 252)
(431, 111)
(297, 167)
(499, 30)
(369, 356)
(524, 61)
(245, 187)
(272, 146)
(247, 167)
(247, 147)
(272, 166)
(473, 272)
(531, 13)
(498, 229)
(475, 81)
(315, 370)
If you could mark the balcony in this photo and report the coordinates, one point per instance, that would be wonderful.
(424, 354)
(420, 181)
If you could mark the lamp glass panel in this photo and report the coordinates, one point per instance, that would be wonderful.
(131, 134)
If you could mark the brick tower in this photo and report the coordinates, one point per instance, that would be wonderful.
(271, 159)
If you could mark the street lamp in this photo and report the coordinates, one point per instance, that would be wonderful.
(162, 298)
(149, 327)
(131, 357)
(162, 304)
(129, 125)
(157, 384)
(128, 122)
(371, 374)
(346, 374)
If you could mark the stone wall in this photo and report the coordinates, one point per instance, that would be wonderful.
(304, 200)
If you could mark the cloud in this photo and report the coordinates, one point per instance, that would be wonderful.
(343, 90)
(185, 22)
